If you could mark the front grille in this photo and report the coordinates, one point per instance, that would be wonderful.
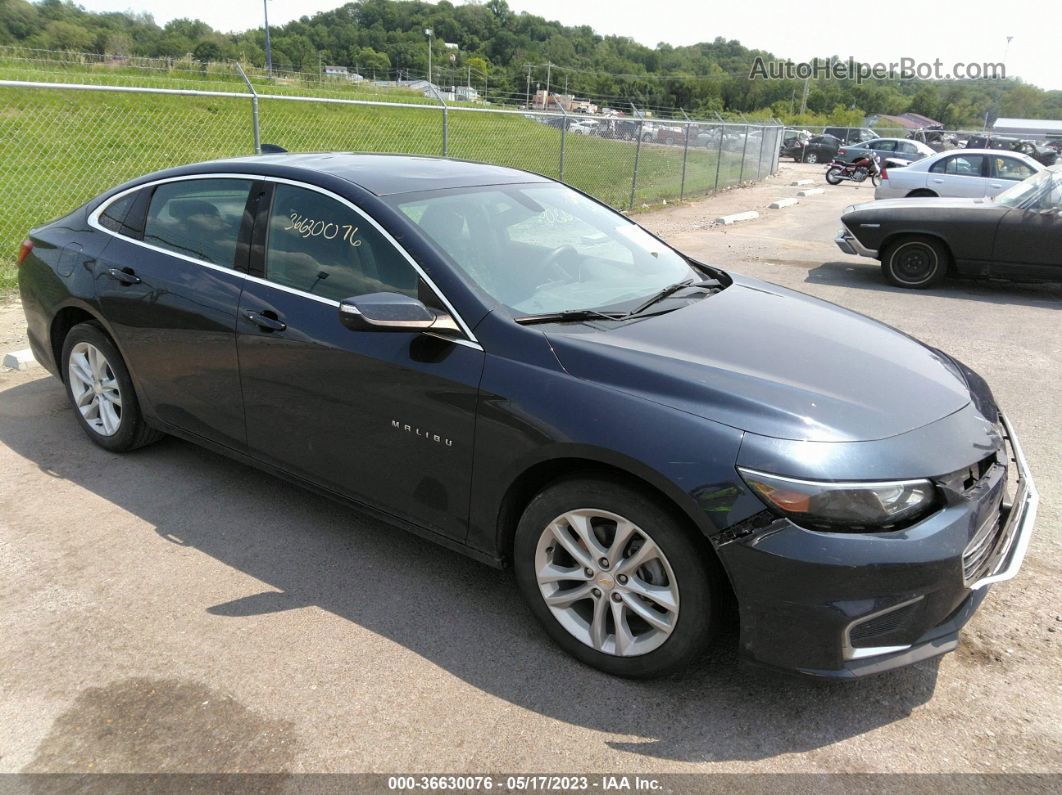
(977, 557)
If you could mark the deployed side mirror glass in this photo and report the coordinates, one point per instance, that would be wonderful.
(393, 312)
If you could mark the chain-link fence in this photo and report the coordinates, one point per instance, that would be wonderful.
(62, 143)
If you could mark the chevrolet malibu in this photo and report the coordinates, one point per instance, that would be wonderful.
(503, 365)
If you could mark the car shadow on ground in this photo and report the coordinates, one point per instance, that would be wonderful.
(868, 276)
(458, 614)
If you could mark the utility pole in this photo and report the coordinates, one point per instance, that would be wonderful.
(804, 98)
(527, 97)
(269, 51)
(566, 85)
(470, 77)
(549, 67)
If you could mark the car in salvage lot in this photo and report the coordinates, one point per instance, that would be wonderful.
(1015, 235)
(886, 149)
(972, 173)
(499, 363)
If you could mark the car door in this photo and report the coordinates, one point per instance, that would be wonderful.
(960, 175)
(168, 285)
(1029, 238)
(384, 418)
(1005, 170)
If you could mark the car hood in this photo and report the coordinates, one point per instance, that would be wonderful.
(773, 362)
(925, 202)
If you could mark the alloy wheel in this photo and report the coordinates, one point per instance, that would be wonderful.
(95, 389)
(607, 582)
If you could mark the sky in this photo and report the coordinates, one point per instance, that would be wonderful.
(969, 31)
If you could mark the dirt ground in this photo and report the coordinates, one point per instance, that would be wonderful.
(171, 610)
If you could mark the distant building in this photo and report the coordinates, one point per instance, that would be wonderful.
(582, 106)
(1028, 128)
(342, 73)
(466, 94)
(541, 101)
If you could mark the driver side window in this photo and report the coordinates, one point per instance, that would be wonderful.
(320, 246)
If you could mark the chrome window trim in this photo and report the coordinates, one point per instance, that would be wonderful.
(93, 221)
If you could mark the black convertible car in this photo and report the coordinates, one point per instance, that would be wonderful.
(1015, 235)
(500, 363)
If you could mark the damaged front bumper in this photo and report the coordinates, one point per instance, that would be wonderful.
(847, 605)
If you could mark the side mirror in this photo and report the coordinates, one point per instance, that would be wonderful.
(393, 312)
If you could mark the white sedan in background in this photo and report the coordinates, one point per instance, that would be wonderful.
(969, 173)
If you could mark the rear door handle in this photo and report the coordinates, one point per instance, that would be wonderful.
(123, 276)
(263, 321)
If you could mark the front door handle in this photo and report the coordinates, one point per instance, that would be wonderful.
(124, 276)
(264, 321)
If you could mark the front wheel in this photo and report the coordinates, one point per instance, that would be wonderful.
(615, 579)
(101, 391)
(811, 157)
(875, 179)
(915, 262)
(833, 175)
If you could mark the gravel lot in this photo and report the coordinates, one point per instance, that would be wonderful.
(171, 610)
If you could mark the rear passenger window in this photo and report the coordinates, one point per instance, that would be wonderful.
(199, 218)
(320, 246)
(959, 166)
(113, 215)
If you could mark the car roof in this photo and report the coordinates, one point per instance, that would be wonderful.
(385, 175)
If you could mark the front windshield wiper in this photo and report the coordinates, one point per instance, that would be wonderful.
(569, 316)
(576, 315)
(671, 288)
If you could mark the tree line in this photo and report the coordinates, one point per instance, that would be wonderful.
(507, 53)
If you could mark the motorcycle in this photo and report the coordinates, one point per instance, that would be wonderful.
(856, 171)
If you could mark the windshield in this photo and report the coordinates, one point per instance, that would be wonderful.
(545, 248)
(1046, 182)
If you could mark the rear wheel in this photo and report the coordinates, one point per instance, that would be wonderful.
(101, 391)
(811, 157)
(916, 262)
(615, 579)
(833, 175)
(921, 192)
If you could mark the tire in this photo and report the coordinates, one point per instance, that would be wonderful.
(101, 379)
(875, 180)
(921, 192)
(811, 157)
(833, 175)
(915, 262)
(670, 141)
(680, 572)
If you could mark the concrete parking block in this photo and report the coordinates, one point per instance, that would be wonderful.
(19, 360)
(778, 204)
(811, 192)
(735, 217)
(802, 182)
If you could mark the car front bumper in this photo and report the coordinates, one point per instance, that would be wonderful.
(847, 605)
(849, 244)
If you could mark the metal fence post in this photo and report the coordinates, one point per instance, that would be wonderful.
(759, 160)
(254, 111)
(637, 157)
(564, 130)
(719, 156)
(445, 120)
(685, 154)
(744, 149)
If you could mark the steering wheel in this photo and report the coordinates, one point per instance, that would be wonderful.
(552, 266)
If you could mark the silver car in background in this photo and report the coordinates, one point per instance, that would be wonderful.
(958, 173)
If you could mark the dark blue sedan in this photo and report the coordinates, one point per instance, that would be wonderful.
(501, 364)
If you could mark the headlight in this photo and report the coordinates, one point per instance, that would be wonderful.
(853, 506)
